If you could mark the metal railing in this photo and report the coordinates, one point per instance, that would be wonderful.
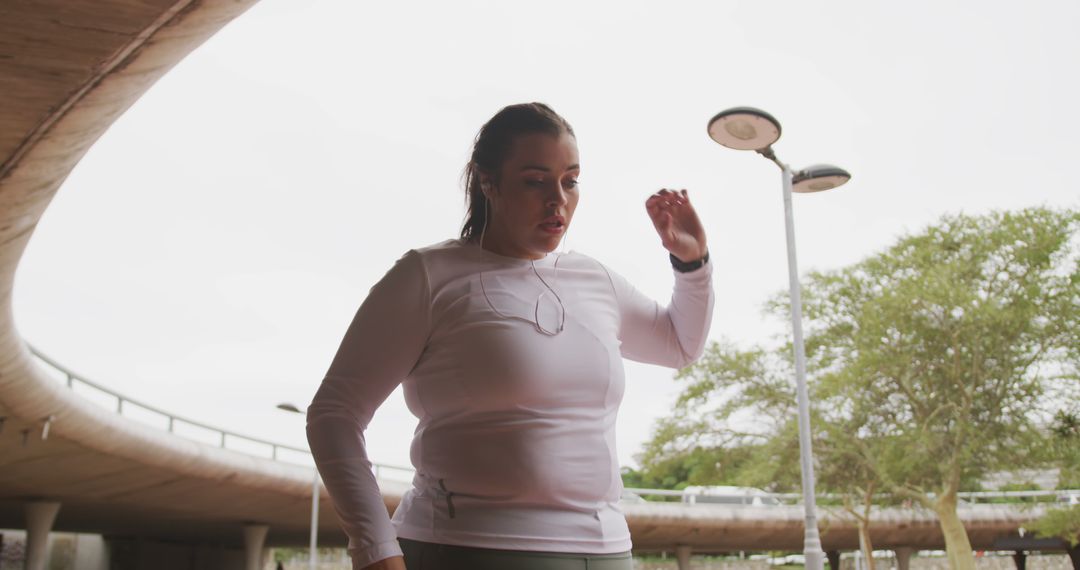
(1061, 496)
(172, 421)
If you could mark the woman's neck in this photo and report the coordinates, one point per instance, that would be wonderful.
(496, 242)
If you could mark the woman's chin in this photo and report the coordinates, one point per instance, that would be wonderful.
(547, 246)
(549, 241)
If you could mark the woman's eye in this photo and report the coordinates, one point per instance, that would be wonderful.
(540, 183)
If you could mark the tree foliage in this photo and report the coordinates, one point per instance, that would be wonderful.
(1061, 523)
(953, 343)
(932, 364)
(733, 405)
(1065, 446)
(1064, 523)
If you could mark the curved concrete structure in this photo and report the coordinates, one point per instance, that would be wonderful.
(67, 71)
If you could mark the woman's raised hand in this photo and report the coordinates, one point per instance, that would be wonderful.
(677, 223)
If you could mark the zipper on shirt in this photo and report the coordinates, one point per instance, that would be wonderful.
(449, 498)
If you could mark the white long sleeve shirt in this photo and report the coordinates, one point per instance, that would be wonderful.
(515, 444)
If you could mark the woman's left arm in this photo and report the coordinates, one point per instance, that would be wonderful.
(675, 335)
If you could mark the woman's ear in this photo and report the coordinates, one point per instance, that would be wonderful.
(487, 187)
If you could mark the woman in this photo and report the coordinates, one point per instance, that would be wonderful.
(511, 359)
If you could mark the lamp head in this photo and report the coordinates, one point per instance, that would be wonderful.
(818, 178)
(744, 128)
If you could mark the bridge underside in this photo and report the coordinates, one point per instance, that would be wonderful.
(725, 529)
(116, 496)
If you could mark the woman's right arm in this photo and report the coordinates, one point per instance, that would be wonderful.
(395, 563)
(380, 348)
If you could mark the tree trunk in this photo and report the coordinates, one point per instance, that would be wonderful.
(1074, 554)
(957, 545)
(864, 543)
(832, 555)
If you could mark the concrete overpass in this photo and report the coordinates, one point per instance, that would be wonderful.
(67, 71)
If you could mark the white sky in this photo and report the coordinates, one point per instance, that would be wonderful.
(208, 253)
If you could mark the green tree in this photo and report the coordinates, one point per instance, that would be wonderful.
(950, 343)
(698, 466)
(1065, 446)
(848, 452)
(932, 364)
(1064, 523)
(728, 440)
(738, 409)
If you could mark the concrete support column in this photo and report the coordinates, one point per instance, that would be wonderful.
(1020, 558)
(40, 516)
(903, 557)
(254, 538)
(682, 554)
(833, 557)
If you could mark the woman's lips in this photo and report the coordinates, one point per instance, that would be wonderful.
(553, 225)
(552, 228)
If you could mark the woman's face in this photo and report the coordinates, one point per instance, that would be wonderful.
(534, 197)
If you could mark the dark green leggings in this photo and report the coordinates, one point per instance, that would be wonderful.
(428, 556)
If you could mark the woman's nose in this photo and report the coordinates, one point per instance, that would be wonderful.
(558, 197)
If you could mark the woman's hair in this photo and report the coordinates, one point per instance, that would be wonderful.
(492, 144)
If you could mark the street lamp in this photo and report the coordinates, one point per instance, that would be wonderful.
(747, 128)
(312, 561)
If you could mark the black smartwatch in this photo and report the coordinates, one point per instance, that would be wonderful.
(687, 266)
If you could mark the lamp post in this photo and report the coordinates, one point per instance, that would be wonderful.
(312, 555)
(747, 128)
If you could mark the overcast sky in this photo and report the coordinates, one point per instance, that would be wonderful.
(208, 253)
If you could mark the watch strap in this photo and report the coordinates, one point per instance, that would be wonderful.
(687, 266)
